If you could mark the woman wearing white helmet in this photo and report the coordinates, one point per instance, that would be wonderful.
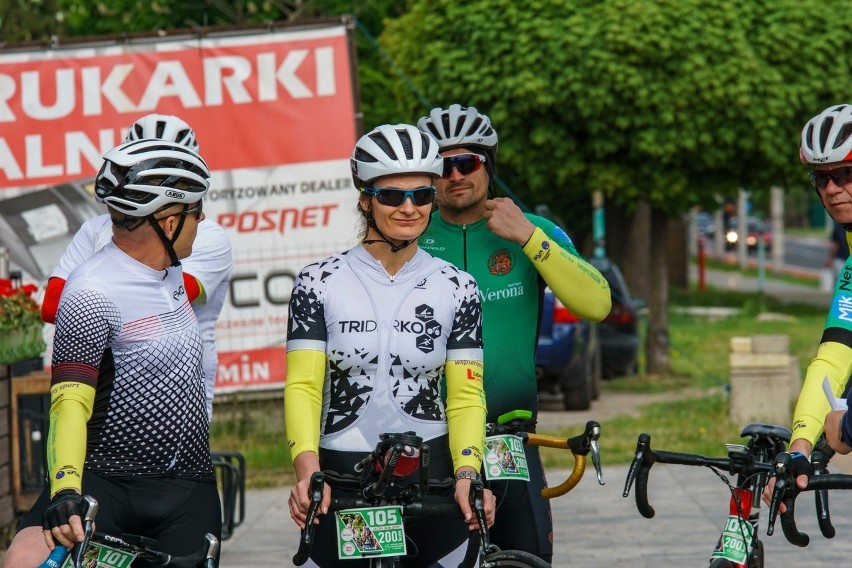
(128, 420)
(372, 331)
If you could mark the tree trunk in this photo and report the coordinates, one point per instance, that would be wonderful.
(627, 245)
(677, 251)
(657, 338)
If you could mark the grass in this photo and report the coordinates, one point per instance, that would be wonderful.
(699, 361)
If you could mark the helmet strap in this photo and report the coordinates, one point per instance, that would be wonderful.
(383, 239)
(168, 243)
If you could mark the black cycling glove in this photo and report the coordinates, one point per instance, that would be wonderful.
(800, 465)
(63, 506)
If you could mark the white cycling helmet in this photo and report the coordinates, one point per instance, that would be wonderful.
(163, 127)
(141, 177)
(395, 149)
(459, 126)
(827, 137)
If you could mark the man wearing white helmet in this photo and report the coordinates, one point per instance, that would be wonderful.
(826, 147)
(371, 332)
(127, 419)
(206, 272)
(512, 255)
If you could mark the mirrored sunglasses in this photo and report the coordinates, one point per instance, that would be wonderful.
(394, 197)
(840, 177)
(464, 163)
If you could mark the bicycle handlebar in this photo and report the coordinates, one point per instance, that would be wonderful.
(645, 458)
(786, 490)
(414, 509)
(580, 446)
(142, 546)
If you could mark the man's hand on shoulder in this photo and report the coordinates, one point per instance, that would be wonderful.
(506, 220)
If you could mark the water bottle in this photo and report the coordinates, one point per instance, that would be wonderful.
(56, 557)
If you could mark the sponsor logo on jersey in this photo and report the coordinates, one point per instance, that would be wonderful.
(843, 309)
(500, 262)
(513, 290)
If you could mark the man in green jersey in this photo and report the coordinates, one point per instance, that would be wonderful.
(512, 255)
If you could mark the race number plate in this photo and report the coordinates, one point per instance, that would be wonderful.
(504, 458)
(735, 541)
(376, 531)
(103, 556)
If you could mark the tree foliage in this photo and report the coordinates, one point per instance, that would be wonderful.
(670, 101)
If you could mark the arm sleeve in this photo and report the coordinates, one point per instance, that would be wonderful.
(578, 285)
(50, 302)
(465, 412)
(70, 409)
(210, 263)
(303, 400)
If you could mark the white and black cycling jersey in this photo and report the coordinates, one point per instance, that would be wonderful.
(129, 331)
(386, 339)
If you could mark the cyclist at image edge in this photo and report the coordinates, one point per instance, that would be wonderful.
(206, 272)
(826, 146)
(127, 418)
(512, 255)
(358, 366)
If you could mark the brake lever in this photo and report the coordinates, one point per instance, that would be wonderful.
(782, 480)
(91, 505)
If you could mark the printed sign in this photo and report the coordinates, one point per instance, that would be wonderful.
(735, 541)
(505, 459)
(275, 118)
(376, 531)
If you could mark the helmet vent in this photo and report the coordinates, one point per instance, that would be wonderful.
(380, 141)
(825, 130)
(843, 137)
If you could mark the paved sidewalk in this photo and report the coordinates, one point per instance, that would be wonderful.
(596, 526)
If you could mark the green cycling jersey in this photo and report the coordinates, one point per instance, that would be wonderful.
(511, 282)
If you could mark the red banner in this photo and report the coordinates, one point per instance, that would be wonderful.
(275, 118)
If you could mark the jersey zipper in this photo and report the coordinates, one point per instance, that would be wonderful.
(464, 245)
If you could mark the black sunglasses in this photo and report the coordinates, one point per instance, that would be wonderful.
(464, 163)
(840, 177)
(394, 196)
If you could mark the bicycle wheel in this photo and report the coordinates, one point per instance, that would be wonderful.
(513, 558)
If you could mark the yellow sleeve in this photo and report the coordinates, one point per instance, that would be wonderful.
(465, 412)
(303, 400)
(578, 285)
(70, 409)
(833, 360)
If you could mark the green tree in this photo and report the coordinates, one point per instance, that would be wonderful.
(664, 102)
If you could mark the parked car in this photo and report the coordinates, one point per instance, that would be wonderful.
(755, 228)
(618, 333)
(567, 357)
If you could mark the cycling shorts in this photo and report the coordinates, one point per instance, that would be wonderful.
(432, 539)
(524, 521)
(177, 513)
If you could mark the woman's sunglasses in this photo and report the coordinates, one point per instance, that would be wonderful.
(394, 197)
(840, 177)
(464, 163)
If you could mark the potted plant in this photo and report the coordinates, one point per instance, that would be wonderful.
(20, 323)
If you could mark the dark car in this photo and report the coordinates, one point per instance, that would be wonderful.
(567, 358)
(755, 229)
(618, 333)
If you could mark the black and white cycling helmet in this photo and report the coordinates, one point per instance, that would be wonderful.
(827, 137)
(459, 126)
(139, 178)
(395, 149)
(163, 127)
